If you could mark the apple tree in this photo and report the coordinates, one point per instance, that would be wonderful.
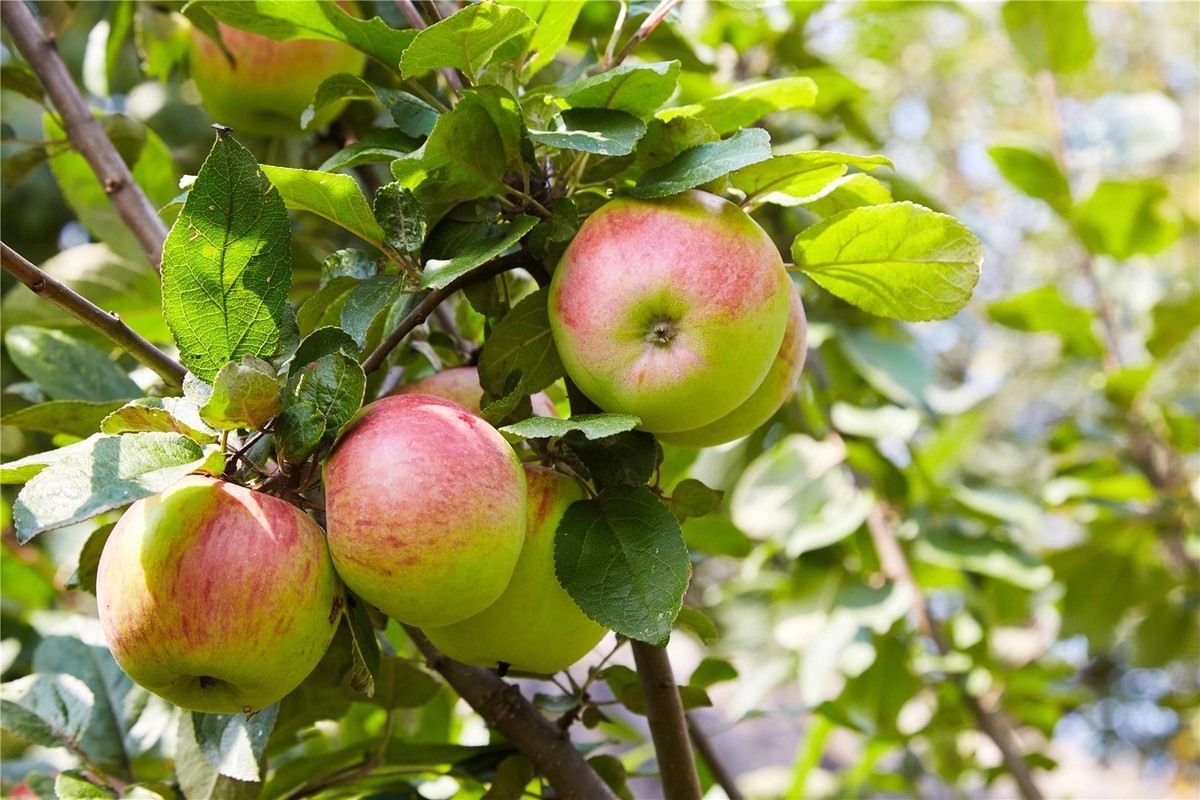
(398, 379)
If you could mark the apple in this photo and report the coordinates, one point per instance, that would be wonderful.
(269, 84)
(425, 509)
(671, 309)
(461, 385)
(215, 597)
(770, 394)
(535, 626)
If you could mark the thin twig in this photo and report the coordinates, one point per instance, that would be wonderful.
(506, 711)
(622, 10)
(656, 16)
(418, 23)
(92, 315)
(86, 134)
(716, 766)
(664, 714)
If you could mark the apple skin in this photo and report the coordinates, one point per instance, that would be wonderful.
(770, 394)
(461, 385)
(217, 598)
(672, 309)
(270, 83)
(425, 509)
(535, 626)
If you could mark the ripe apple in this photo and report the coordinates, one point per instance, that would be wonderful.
(770, 394)
(269, 84)
(672, 309)
(535, 626)
(215, 597)
(425, 509)
(461, 385)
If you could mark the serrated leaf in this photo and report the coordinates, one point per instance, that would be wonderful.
(440, 273)
(245, 395)
(627, 458)
(637, 89)
(107, 472)
(322, 342)
(401, 218)
(298, 430)
(900, 260)
(334, 383)
(746, 105)
(79, 418)
(1036, 173)
(796, 178)
(521, 343)
(364, 647)
(367, 301)
(412, 115)
(706, 162)
(285, 19)
(233, 744)
(227, 263)
(66, 368)
(50, 709)
(376, 147)
(465, 40)
(593, 426)
(162, 414)
(335, 197)
(621, 557)
(593, 130)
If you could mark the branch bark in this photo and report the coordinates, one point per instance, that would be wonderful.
(664, 713)
(505, 710)
(84, 130)
(91, 315)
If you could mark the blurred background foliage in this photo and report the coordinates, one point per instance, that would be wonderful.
(1037, 455)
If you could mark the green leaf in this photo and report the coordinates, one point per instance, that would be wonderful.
(70, 784)
(401, 218)
(285, 19)
(627, 458)
(334, 383)
(321, 342)
(712, 670)
(66, 368)
(554, 19)
(621, 557)
(704, 163)
(1174, 321)
(364, 647)
(1050, 35)
(233, 743)
(691, 498)
(412, 115)
(895, 369)
(401, 684)
(465, 40)
(376, 147)
(1036, 173)
(666, 140)
(593, 426)
(1044, 309)
(698, 623)
(521, 343)
(635, 89)
(793, 179)
(79, 418)
(197, 777)
(1123, 219)
(850, 191)
(900, 260)
(227, 263)
(440, 273)
(20, 78)
(513, 774)
(298, 430)
(244, 395)
(104, 473)
(335, 197)
(368, 300)
(593, 130)
(49, 709)
(89, 560)
(21, 470)
(746, 105)
(21, 164)
(985, 555)
(716, 535)
(875, 423)
(162, 414)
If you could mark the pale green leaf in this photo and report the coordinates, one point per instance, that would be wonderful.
(50, 709)
(245, 395)
(79, 418)
(593, 426)
(66, 368)
(465, 40)
(337, 198)
(1124, 219)
(748, 104)
(162, 414)
(796, 178)
(601, 131)
(637, 89)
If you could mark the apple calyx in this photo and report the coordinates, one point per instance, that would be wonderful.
(663, 331)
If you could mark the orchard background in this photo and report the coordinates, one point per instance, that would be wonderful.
(960, 561)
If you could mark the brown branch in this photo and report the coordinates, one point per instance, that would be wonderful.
(84, 130)
(505, 710)
(664, 713)
(656, 16)
(91, 315)
(716, 766)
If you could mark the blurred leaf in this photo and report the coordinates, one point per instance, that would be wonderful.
(412, 115)
(792, 179)
(895, 370)
(985, 555)
(875, 423)
(49, 709)
(20, 78)
(465, 40)
(21, 164)
(163, 414)
(440, 273)
(698, 623)
(1122, 219)
(1050, 35)
(337, 198)
(1044, 309)
(401, 684)
(717, 536)
(227, 263)
(592, 130)
(521, 343)
(66, 368)
(79, 418)
(745, 105)
(376, 147)
(621, 557)
(691, 498)
(704, 163)
(637, 89)
(72, 784)
(900, 260)
(89, 560)
(512, 776)
(712, 670)
(1174, 321)
(364, 647)
(593, 426)
(1036, 173)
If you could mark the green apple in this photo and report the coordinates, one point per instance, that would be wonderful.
(269, 84)
(767, 398)
(217, 598)
(461, 385)
(425, 509)
(672, 309)
(535, 626)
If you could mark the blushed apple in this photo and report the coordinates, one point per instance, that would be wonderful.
(216, 597)
(767, 398)
(671, 309)
(535, 626)
(461, 385)
(425, 509)
(270, 83)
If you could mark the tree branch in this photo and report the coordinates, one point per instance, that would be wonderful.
(720, 772)
(656, 16)
(84, 130)
(91, 315)
(664, 713)
(505, 710)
